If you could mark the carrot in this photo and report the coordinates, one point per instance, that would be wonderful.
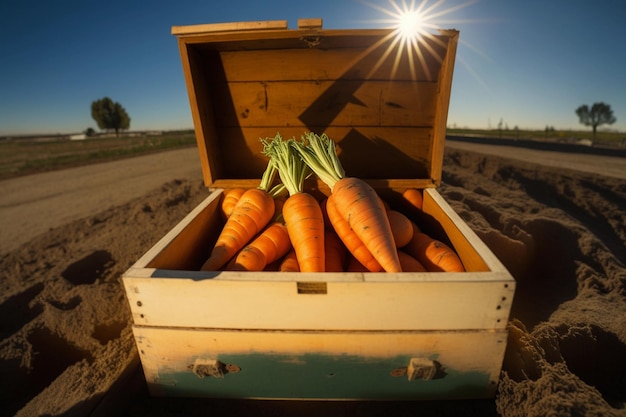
(301, 211)
(290, 263)
(356, 200)
(253, 212)
(416, 228)
(355, 266)
(409, 263)
(351, 241)
(274, 266)
(401, 228)
(305, 225)
(436, 256)
(229, 201)
(325, 213)
(411, 203)
(271, 244)
(336, 252)
(414, 197)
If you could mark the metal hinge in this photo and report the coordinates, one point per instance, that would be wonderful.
(213, 367)
(420, 368)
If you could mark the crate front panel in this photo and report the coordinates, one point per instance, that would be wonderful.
(302, 302)
(320, 365)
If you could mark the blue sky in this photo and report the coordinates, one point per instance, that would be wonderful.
(527, 63)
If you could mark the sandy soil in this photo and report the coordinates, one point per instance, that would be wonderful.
(66, 346)
(33, 204)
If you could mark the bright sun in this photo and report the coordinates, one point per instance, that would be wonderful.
(415, 18)
(415, 24)
(409, 24)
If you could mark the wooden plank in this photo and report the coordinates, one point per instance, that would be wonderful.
(201, 112)
(314, 23)
(188, 243)
(267, 300)
(337, 365)
(475, 255)
(402, 151)
(443, 102)
(365, 63)
(337, 103)
(228, 27)
(381, 185)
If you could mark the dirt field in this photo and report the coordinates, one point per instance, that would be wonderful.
(33, 204)
(66, 344)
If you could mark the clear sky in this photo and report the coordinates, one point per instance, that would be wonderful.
(527, 63)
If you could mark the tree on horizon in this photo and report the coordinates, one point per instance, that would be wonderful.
(599, 114)
(110, 115)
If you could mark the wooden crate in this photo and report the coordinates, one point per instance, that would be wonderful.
(318, 335)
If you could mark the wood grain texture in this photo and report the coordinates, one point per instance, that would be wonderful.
(361, 87)
(335, 365)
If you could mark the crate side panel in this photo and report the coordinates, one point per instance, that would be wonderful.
(202, 107)
(271, 302)
(181, 247)
(188, 245)
(476, 256)
(442, 105)
(320, 365)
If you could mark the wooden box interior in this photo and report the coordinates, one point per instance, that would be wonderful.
(383, 100)
(185, 247)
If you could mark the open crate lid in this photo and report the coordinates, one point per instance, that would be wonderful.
(384, 100)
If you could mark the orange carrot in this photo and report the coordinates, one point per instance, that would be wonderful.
(351, 241)
(416, 228)
(253, 212)
(433, 254)
(229, 201)
(305, 224)
(355, 266)
(401, 228)
(411, 203)
(274, 266)
(414, 197)
(409, 263)
(362, 209)
(290, 262)
(302, 212)
(271, 244)
(325, 213)
(356, 201)
(336, 252)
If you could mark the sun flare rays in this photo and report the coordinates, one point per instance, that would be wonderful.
(415, 24)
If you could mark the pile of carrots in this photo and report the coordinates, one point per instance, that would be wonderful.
(281, 227)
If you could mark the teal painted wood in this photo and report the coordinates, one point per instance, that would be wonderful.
(316, 376)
